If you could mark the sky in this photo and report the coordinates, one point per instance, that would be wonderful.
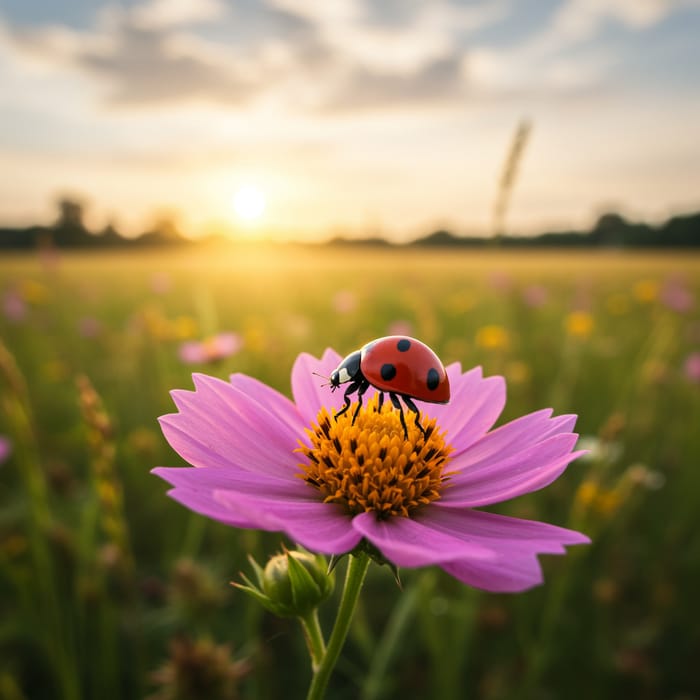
(348, 117)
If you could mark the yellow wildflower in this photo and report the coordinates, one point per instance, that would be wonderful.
(492, 337)
(579, 324)
(608, 501)
(645, 291)
(33, 292)
(462, 302)
(518, 372)
(184, 327)
(586, 493)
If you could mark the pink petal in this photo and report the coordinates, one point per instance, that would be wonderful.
(221, 425)
(320, 527)
(505, 575)
(308, 389)
(496, 480)
(514, 436)
(215, 479)
(504, 534)
(203, 502)
(409, 543)
(211, 448)
(516, 543)
(265, 395)
(255, 408)
(263, 502)
(474, 406)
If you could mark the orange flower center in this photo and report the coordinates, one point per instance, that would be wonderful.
(369, 465)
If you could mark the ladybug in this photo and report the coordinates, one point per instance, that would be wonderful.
(403, 367)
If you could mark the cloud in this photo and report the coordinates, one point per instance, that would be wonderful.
(50, 46)
(337, 55)
(406, 41)
(411, 53)
(440, 80)
(578, 20)
(144, 66)
(172, 13)
(332, 55)
(140, 57)
(568, 54)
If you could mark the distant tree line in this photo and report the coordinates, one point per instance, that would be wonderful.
(611, 230)
(70, 231)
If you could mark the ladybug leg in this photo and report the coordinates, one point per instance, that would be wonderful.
(397, 405)
(360, 392)
(352, 388)
(380, 402)
(412, 407)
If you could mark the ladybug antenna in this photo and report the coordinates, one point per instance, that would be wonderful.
(323, 376)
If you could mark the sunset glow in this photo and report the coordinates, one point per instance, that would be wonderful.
(249, 203)
(390, 117)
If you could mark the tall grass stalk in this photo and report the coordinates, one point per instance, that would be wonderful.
(107, 558)
(46, 609)
(508, 177)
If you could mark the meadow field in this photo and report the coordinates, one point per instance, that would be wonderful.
(110, 590)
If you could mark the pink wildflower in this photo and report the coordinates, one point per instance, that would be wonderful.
(216, 347)
(262, 461)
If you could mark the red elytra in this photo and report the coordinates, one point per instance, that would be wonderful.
(405, 366)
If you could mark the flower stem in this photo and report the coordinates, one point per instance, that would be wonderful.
(314, 638)
(354, 578)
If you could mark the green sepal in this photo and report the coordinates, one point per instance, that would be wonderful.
(292, 584)
(257, 570)
(335, 560)
(306, 593)
(378, 558)
(258, 595)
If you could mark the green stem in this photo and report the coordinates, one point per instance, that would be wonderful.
(354, 578)
(314, 638)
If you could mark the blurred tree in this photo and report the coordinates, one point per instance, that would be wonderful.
(110, 236)
(165, 230)
(69, 229)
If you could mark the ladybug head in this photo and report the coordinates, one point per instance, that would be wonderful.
(347, 371)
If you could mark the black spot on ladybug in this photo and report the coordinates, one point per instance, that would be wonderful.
(433, 379)
(388, 372)
(403, 345)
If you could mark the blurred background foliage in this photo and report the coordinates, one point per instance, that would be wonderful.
(108, 589)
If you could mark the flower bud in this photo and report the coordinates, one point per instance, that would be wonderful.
(292, 584)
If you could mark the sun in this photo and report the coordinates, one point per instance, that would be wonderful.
(249, 203)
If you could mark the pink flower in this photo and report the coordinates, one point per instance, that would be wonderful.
(89, 327)
(691, 367)
(5, 448)
(676, 296)
(535, 295)
(500, 281)
(160, 282)
(211, 349)
(14, 306)
(344, 301)
(400, 328)
(265, 462)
